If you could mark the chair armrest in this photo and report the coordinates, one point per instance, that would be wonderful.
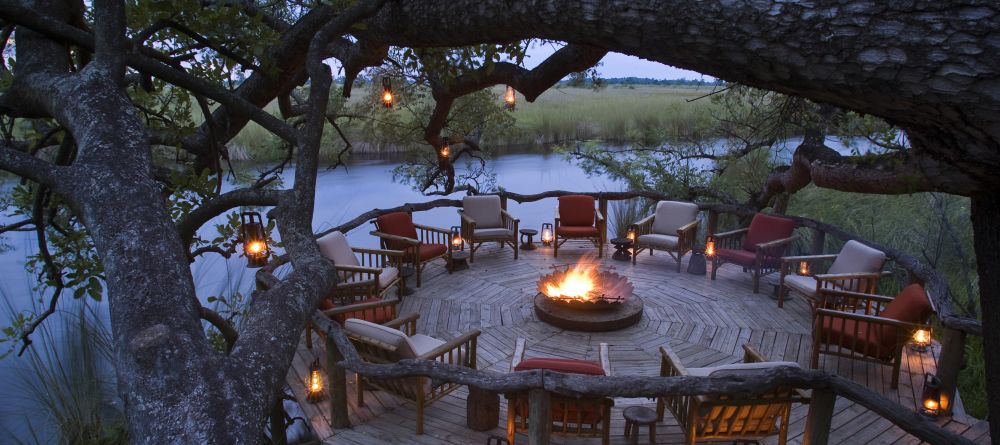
(686, 235)
(385, 252)
(357, 269)
(872, 319)
(858, 295)
(670, 360)
(777, 243)
(807, 258)
(379, 257)
(518, 354)
(401, 239)
(408, 321)
(466, 219)
(359, 307)
(752, 355)
(598, 215)
(846, 276)
(432, 229)
(451, 345)
(646, 220)
(506, 215)
(687, 227)
(731, 233)
(605, 357)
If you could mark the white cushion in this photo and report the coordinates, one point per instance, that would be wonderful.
(384, 279)
(384, 334)
(493, 233)
(857, 258)
(672, 215)
(419, 344)
(658, 240)
(736, 369)
(334, 246)
(801, 283)
(484, 210)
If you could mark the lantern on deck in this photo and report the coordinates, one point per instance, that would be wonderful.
(457, 243)
(547, 234)
(631, 234)
(387, 97)
(254, 240)
(921, 340)
(445, 150)
(314, 383)
(930, 401)
(804, 268)
(710, 247)
(509, 98)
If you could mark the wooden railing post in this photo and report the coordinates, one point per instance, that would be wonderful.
(819, 242)
(338, 386)
(820, 417)
(602, 205)
(713, 222)
(539, 417)
(503, 202)
(949, 366)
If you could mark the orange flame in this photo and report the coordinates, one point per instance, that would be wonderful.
(578, 282)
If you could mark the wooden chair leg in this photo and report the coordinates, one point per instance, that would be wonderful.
(756, 281)
(361, 390)
(419, 269)
(715, 267)
(555, 247)
(309, 337)
(679, 257)
(511, 407)
(895, 373)
(652, 434)
(513, 245)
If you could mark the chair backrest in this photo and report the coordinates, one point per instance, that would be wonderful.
(395, 344)
(399, 224)
(911, 305)
(582, 413)
(766, 228)
(577, 210)
(334, 247)
(733, 415)
(672, 215)
(484, 209)
(857, 258)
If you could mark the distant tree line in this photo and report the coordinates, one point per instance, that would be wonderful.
(649, 81)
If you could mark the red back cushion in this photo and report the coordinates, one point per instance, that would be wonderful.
(910, 305)
(576, 210)
(399, 224)
(766, 228)
(569, 366)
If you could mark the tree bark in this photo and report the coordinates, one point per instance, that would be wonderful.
(986, 236)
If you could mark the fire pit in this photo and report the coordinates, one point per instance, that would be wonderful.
(582, 298)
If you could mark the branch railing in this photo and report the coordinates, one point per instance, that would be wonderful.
(342, 355)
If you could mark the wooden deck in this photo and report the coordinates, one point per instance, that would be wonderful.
(705, 322)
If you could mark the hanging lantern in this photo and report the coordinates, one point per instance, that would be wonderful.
(631, 234)
(445, 150)
(314, 385)
(930, 404)
(457, 243)
(547, 234)
(804, 268)
(509, 98)
(387, 98)
(254, 240)
(710, 247)
(921, 340)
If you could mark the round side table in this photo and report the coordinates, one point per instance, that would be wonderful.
(526, 239)
(458, 260)
(636, 416)
(406, 272)
(622, 246)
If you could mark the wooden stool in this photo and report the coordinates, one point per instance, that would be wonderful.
(636, 416)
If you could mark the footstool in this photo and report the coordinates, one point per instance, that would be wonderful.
(636, 416)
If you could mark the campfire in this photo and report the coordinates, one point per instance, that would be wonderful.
(583, 285)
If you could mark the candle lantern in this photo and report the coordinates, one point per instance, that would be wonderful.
(387, 97)
(710, 247)
(930, 404)
(804, 268)
(445, 150)
(314, 383)
(509, 98)
(547, 234)
(921, 340)
(457, 243)
(631, 234)
(254, 240)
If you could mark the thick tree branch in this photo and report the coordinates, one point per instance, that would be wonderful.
(224, 326)
(188, 226)
(30, 167)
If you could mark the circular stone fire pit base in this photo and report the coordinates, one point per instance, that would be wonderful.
(613, 318)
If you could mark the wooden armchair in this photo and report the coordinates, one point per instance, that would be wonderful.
(420, 244)
(376, 311)
(577, 218)
(364, 280)
(757, 248)
(484, 219)
(729, 417)
(671, 228)
(875, 331)
(856, 268)
(397, 340)
(570, 415)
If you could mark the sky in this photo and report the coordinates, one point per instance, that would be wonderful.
(620, 65)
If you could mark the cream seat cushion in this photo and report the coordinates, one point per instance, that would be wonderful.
(334, 247)
(492, 233)
(384, 279)
(658, 240)
(484, 210)
(383, 334)
(801, 283)
(672, 215)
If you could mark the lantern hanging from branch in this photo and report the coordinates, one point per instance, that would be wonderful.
(457, 243)
(445, 150)
(921, 340)
(509, 98)
(804, 268)
(710, 247)
(387, 96)
(254, 239)
(547, 234)
(930, 404)
(314, 385)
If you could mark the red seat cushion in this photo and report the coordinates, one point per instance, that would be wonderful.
(767, 228)
(570, 366)
(572, 231)
(856, 336)
(379, 315)
(745, 258)
(428, 251)
(399, 224)
(576, 210)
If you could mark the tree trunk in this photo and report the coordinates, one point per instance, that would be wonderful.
(986, 231)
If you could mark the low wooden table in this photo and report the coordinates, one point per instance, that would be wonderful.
(622, 246)
(636, 416)
(458, 260)
(527, 244)
(482, 409)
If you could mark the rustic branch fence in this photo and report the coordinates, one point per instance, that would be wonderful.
(341, 354)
